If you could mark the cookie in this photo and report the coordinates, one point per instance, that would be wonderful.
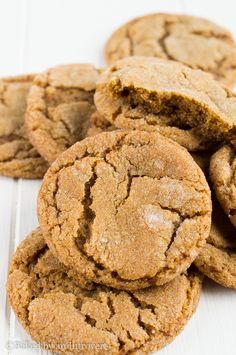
(18, 158)
(47, 301)
(60, 104)
(125, 209)
(217, 260)
(146, 93)
(223, 177)
(193, 41)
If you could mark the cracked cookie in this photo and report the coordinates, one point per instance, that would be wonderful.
(59, 107)
(47, 299)
(223, 177)
(193, 41)
(18, 158)
(217, 259)
(125, 209)
(151, 93)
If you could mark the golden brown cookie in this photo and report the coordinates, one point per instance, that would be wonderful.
(60, 104)
(63, 316)
(223, 177)
(217, 260)
(125, 209)
(193, 41)
(18, 158)
(149, 93)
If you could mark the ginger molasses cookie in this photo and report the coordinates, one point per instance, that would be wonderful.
(223, 177)
(196, 42)
(217, 259)
(18, 158)
(60, 104)
(125, 209)
(149, 93)
(47, 299)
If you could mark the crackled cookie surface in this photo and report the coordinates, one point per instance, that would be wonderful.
(60, 104)
(217, 260)
(111, 197)
(223, 177)
(18, 158)
(47, 299)
(193, 41)
(149, 93)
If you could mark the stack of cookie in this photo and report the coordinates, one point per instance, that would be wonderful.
(125, 208)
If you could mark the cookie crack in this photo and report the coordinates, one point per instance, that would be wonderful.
(9, 138)
(174, 234)
(141, 304)
(179, 321)
(218, 66)
(210, 34)
(130, 179)
(128, 187)
(2, 94)
(162, 39)
(84, 232)
(147, 328)
(185, 215)
(131, 43)
(28, 268)
(89, 320)
(110, 163)
(111, 307)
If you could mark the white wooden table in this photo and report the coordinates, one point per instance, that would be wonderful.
(36, 34)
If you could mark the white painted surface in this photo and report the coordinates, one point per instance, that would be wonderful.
(36, 34)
